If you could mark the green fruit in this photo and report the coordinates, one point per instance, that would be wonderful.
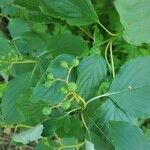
(64, 90)
(75, 62)
(46, 110)
(64, 64)
(72, 87)
(66, 104)
(48, 84)
(50, 76)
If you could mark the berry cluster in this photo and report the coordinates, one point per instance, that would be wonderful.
(69, 88)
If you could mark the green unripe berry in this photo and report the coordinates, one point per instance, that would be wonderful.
(72, 87)
(64, 90)
(48, 84)
(75, 62)
(50, 76)
(64, 64)
(46, 110)
(66, 104)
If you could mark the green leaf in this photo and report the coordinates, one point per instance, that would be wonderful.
(21, 68)
(5, 2)
(42, 145)
(91, 72)
(67, 125)
(17, 27)
(64, 126)
(8, 105)
(132, 85)
(75, 12)
(134, 16)
(31, 5)
(32, 43)
(39, 27)
(97, 142)
(32, 11)
(2, 89)
(38, 16)
(5, 47)
(32, 112)
(96, 135)
(36, 41)
(13, 11)
(2, 36)
(125, 136)
(109, 111)
(30, 135)
(59, 44)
